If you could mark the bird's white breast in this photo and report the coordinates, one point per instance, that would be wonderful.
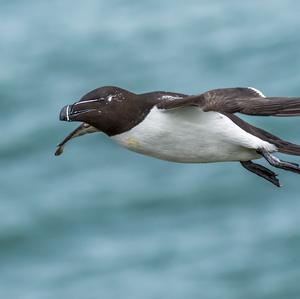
(190, 135)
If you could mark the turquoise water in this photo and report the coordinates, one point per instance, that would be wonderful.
(102, 222)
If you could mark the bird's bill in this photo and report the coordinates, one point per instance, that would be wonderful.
(77, 112)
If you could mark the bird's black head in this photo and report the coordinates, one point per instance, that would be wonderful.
(111, 110)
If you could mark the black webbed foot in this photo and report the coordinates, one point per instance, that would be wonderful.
(274, 161)
(262, 171)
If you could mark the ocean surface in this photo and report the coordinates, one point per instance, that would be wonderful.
(102, 222)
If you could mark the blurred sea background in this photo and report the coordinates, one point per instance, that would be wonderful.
(102, 222)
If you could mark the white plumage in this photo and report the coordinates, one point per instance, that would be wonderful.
(189, 135)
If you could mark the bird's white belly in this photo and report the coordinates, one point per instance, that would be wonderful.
(190, 135)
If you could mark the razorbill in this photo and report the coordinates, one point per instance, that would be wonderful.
(188, 129)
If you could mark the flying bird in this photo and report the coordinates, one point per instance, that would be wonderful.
(184, 128)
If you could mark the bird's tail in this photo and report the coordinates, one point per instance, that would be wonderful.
(283, 146)
(288, 148)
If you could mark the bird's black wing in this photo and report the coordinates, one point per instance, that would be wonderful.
(241, 99)
(244, 100)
